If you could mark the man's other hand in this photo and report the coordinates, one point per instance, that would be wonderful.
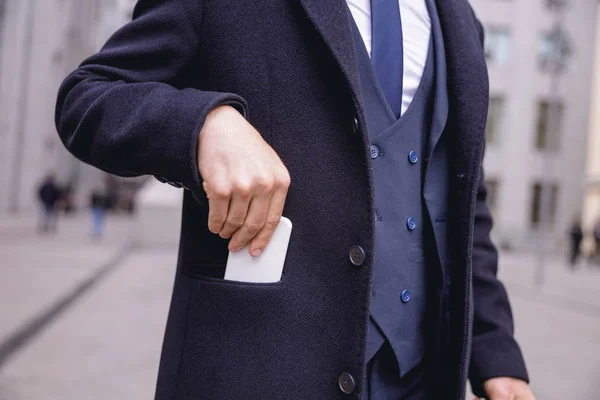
(245, 181)
(507, 389)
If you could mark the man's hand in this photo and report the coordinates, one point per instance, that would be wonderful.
(245, 181)
(507, 389)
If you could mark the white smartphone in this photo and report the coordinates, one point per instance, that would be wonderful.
(266, 268)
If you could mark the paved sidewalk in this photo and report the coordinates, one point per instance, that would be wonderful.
(38, 271)
(557, 325)
(105, 345)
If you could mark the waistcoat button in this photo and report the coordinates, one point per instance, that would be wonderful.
(374, 151)
(413, 157)
(411, 224)
(405, 296)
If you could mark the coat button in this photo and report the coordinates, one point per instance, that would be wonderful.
(357, 255)
(411, 224)
(413, 157)
(374, 151)
(405, 296)
(347, 383)
(355, 125)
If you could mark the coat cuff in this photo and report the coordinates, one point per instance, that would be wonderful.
(494, 357)
(187, 175)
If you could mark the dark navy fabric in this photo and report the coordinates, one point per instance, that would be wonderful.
(436, 190)
(400, 293)
(398, 263)
(387, 50)
(383, 379)
(137, 106)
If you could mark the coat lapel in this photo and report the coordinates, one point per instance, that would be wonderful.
(468, 87)
(331, 20)
(468, 91)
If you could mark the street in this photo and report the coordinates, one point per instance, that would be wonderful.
(84, 319)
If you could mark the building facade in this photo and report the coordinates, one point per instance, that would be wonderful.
(591, 214)
(41, 41)
(538, 118)
(537, 126)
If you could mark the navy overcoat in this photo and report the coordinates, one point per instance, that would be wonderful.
(137, 106)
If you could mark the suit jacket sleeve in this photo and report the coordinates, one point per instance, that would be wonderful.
(130, 109)
(494, 353)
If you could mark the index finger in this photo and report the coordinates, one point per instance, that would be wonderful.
(218, 207)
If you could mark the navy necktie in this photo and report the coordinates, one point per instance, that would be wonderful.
(386, 50)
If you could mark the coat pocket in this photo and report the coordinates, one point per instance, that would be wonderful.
(236, 338)
(214, 273)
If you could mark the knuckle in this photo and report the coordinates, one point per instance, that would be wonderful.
(216, 220)
(221, 192)
(243, 189)
(283, 179)
(235, 222)
(272, 223)
(261, 243)
(253, 227)
(264, 183)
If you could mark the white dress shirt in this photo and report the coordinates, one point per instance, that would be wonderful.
(416, 32)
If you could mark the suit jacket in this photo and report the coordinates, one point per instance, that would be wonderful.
(137, 106)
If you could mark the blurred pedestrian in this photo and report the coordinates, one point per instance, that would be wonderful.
(67, 199)
(48, 194)
(576, 235)
(596, 234)
(98, 211)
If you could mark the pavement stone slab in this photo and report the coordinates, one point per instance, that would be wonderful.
(107, 346)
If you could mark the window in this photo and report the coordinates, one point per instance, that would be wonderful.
(492, 195)
(546, 48)
(556, 5)
(494, 119)
(536, 203)
(553, 50)
(548, 125)
(544, 197)
(496, 45)
(553, 206)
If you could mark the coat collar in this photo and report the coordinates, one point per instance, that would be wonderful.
(466, 69)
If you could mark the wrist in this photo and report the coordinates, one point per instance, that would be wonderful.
(218, 112)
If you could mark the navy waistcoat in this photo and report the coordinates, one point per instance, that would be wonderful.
(410, 202)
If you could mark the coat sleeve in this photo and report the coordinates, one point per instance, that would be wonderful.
(130, 110)
(495, 352)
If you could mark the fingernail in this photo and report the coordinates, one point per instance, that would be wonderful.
(236, 250)
(256, 252)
